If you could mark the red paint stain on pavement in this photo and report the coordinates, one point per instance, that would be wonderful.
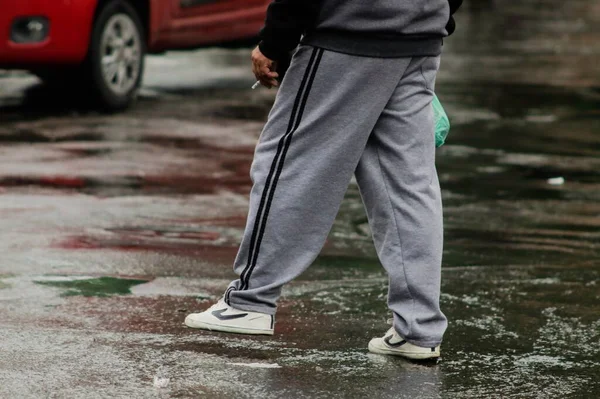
(198, 184)
(193, 235)
(62, 181)
(46, 181)
(77, 243)
(211, 253)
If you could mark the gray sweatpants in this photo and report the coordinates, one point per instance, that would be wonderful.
(335, 115)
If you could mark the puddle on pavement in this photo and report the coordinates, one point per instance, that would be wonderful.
(161, 239)
(32, 136)
(512, 331)
(344, 266)
(243, 111)
(90, 287)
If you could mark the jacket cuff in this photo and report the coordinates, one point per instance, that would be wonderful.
(270, 50)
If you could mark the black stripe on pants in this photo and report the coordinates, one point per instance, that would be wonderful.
(277, 166)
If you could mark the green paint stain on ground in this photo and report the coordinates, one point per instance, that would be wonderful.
(99, 287)
(3, 285)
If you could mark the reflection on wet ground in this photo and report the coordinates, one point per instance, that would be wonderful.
(115, 227)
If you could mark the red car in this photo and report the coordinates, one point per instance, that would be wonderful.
(100, 44)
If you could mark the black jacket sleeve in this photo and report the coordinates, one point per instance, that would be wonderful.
(286, 21)
(454, 6)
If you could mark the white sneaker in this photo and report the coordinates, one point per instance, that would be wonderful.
(393, 344)
(222, 317)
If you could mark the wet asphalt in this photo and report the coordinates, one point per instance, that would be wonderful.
(114, 227)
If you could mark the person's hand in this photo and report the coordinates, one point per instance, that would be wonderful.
(264, 69)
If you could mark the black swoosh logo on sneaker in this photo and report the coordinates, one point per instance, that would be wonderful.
(396, 345)
(219, 315)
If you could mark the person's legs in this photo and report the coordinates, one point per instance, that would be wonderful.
(325, 110)
(400, 188)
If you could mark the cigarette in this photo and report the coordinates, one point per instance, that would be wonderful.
(256, 84)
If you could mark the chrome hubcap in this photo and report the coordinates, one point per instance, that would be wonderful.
(121, 53)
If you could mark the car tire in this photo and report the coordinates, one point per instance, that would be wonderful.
(115, 62)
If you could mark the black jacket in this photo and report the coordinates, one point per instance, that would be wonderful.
(380, 28)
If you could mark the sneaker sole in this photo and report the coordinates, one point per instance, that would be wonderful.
(408, 355)
(234, 330)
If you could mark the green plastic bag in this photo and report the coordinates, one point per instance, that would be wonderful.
(442, 123)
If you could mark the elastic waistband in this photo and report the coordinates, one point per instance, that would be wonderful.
(379, 46)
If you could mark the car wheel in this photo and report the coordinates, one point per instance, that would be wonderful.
(115, 61)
